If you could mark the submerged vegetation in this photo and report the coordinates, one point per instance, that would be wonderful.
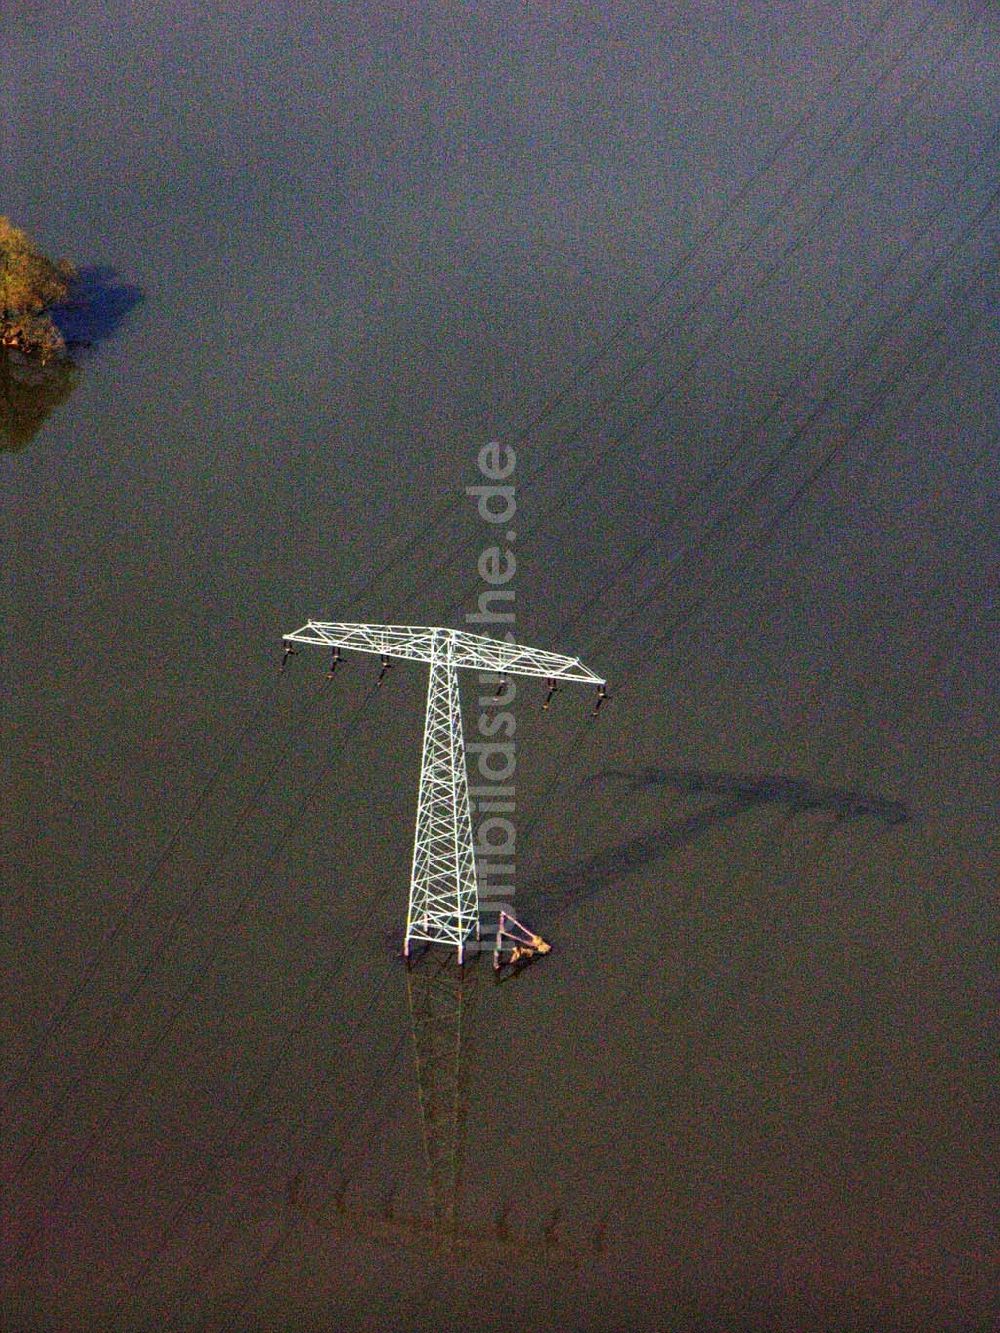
(30, 284)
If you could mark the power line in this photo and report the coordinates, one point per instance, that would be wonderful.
(844, 380)
(133, 905)
(207, 959)
(575, 747)
(406, 550)
(573, 750)
(123, 1002)
(617, 439)
(886, 386)
(278, 1244)
(871, 151)
(676, 511)
(798, 434)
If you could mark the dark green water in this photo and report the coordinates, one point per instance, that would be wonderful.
(753, 1085)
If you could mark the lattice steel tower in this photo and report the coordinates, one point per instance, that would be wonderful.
(444, 898)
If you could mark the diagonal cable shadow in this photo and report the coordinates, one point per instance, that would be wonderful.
(734, 795)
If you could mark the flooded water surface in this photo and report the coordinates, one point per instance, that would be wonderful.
(723, 282)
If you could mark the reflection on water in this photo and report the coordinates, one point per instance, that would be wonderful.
(442, 1003)
(443, 999)
(29, 393)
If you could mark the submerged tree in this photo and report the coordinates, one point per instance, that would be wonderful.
(29, 284)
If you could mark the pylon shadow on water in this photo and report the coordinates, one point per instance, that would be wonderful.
(799, 794)
(550, 895)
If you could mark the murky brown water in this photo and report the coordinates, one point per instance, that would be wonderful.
(751, 1087)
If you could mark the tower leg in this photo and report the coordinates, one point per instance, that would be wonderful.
(444, 897)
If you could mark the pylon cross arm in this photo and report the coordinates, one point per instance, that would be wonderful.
(416, 643)
(444, 895)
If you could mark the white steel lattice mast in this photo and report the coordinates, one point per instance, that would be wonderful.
(444, 899)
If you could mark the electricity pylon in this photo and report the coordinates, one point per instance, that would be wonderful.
(444, 896)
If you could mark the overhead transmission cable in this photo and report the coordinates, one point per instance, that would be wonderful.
(558, 448)
(406, 548)
(753, 488)
(915, 699)
(135, 902)
(124, 1000)
(622, 575)
(575, 748)
(888, 384)
(271, 1253)
(617, 439)
(645, 545)
(274, 1249)
(233, 917)
(576, 745)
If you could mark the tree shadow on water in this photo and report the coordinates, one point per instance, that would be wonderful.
(96, 308)
(731, 794)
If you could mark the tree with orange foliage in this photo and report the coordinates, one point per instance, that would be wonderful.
(29, 284)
